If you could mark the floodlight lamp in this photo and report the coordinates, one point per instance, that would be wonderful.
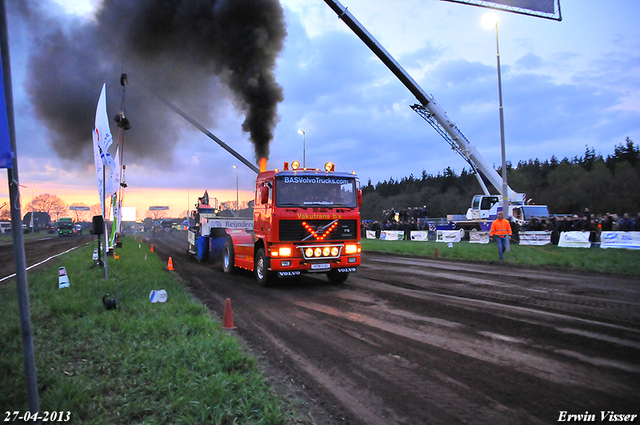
(490, 20)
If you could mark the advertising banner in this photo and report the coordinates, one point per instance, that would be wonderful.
(449, 236)
(628, 240)
(227, 223)
(574, 240)
(536, 238)
(478, 237)
(371, 234)
(392, 235)
(419, 235)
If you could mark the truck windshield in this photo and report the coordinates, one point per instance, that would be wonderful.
(537, 211)
(321, 191)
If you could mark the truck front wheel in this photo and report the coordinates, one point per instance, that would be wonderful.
(228, 256)
(263, 274)
(337, 278)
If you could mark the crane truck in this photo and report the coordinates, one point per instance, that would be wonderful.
(484, 207)
(305, 220)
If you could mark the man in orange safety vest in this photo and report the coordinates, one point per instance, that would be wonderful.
(501, 229)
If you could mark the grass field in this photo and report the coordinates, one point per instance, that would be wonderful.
(140, 363)
(621, 261)
(172, 362)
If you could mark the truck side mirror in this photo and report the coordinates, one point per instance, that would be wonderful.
(359, 198)
(264, 195)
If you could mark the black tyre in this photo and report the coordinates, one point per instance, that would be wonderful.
(337, 278)
(263, 275)
(228, 257)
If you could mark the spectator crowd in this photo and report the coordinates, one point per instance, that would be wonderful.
(588, 222)
(415, 218)
(405, 219)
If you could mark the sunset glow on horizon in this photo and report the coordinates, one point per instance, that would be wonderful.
(178, 200)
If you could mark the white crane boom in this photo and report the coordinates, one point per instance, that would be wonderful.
(428, 108)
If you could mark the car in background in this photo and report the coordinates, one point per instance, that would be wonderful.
(5, 227)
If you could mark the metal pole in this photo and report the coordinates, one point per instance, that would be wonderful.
(16, 223)
(304, 147)
(237, 201)
(104, 221)
(505, 194)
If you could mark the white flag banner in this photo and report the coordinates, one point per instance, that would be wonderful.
(116, 219)
(119, 217)
(99, 169)
(113, 182)
(102, 139)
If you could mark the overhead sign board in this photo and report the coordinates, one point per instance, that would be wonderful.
(158, 208)
(549, 9)
(76, 208)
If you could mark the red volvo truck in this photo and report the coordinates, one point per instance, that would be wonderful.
(304, 221)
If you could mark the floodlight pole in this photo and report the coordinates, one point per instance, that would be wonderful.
(505, 194)
(304, 147)
(16, 222)
(237, 201)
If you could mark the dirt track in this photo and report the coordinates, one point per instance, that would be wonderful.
(427, 341)
(37, 250)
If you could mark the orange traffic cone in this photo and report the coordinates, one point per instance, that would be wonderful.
(437, 254)
(170, 264)
(115, 256)
(151, 248)
(227, 318)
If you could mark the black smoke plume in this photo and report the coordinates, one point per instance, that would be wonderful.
(194, 53)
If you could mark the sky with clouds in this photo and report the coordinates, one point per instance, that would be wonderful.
(566, 85)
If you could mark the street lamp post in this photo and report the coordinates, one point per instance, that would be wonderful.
(304, 147)
(237, 203)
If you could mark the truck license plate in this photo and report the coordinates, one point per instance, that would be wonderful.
(320, 266)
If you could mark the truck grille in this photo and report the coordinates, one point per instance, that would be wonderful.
(294, 230)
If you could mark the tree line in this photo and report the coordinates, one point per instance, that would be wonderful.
(567, 186)
(56, 208)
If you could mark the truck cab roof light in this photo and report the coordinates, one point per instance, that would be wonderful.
(329, 167)
(295, 165)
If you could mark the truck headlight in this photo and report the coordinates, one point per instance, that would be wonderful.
(351, 249)
(326, 251)
(317, 252)
(308, 252)
(282, 251)
(285, 251)
(334, 251)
